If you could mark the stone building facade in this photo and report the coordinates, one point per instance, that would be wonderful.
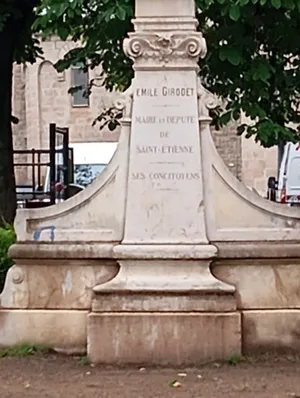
(41, 97)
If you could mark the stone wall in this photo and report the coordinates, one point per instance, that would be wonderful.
(19, 130)
(258, 164)
(42, 98)
(229, 147)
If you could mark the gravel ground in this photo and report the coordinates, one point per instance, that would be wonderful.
(60, 377)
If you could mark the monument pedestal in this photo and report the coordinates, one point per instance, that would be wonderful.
(165, 303)
(162, 338)
(164, 307)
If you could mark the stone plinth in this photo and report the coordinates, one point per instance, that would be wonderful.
(166, 339)
(161, 295)
(63, 331)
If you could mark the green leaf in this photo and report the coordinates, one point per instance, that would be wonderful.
(276, 3)
(236, 114)
(121, 13)
(14, 119)
(225, 118)
(112, 125)
(234, 57)
(289, 4)
(261, 71)
(231, 54)
(234, 13)
(61, 9)
(223, 53)
(224, 10)
(241, 129)
(63, 32)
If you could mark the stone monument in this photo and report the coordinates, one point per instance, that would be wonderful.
(165, 259)
(164, 301)
(123, 269)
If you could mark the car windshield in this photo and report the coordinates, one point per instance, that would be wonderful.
(84, 174)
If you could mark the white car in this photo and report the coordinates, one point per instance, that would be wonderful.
(287, 188)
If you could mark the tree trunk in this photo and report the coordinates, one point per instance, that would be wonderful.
(7, 177)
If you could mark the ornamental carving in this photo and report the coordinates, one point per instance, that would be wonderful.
(125, 103)
(206, 100)
(164, 48)
(17, 275)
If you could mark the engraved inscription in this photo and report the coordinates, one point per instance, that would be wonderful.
(164, 156)
(145, 119)
(177, 92)
(164, 134)
(165, 120)
(161, 176)
(164, 149)
(165, 92)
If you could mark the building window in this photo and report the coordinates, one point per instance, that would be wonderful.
(79, 78)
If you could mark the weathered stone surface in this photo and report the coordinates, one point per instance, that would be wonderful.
(262, 284)
(163, 339)
(144, 302)
(61, 330)
(266, 331)
(234, 213)
(165, 165)
(157, 9)
(56, 285)
(257, 250)
(181, 277)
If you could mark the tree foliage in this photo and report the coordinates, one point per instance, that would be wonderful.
(252, 63)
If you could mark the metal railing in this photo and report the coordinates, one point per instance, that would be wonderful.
(43, 163)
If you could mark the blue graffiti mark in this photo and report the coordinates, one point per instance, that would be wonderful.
(37, 233)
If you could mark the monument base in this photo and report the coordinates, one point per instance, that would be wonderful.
(266, 331)
(63, 331)
(165, 308)
(164, 339)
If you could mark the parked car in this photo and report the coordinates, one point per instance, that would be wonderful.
(286, 189)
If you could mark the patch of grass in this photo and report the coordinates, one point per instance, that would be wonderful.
(24, 350)
(234, 360)
(7, 238)
(84, 361)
